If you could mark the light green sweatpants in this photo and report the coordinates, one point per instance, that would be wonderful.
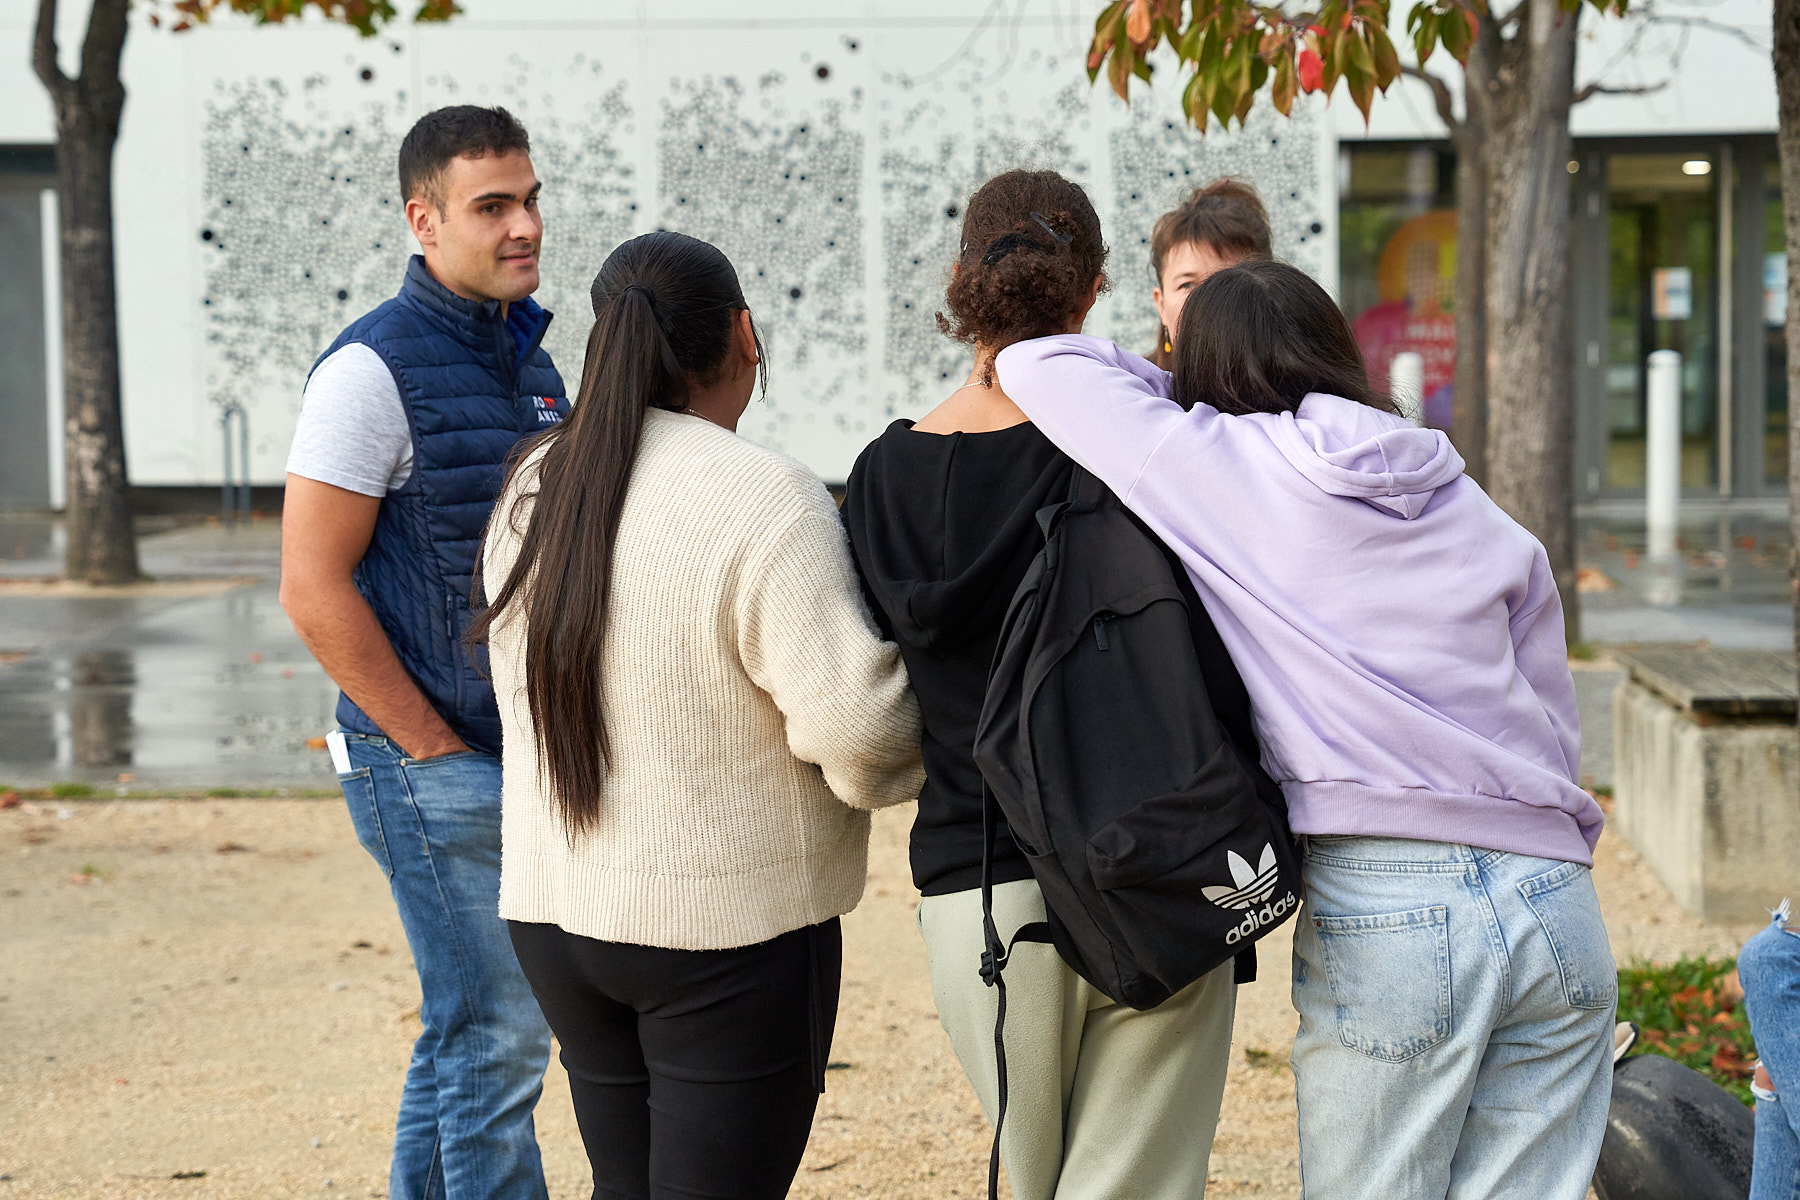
(1103, 1102)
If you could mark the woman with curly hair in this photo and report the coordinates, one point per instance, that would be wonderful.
(1103, 1100)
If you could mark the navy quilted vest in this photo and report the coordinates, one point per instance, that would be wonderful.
(473, 384)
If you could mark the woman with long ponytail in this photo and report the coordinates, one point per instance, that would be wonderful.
(698, 716)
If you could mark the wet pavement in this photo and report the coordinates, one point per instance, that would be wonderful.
(198, 681)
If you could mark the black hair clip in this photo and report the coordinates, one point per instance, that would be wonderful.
(1005, 244)
(1041, 219)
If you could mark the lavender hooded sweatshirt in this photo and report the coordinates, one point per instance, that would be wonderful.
(1400, 636)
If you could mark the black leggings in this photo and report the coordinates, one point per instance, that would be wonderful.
(694, 1073)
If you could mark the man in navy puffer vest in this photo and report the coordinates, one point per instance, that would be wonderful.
(405, 428)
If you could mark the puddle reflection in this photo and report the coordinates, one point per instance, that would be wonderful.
(100, 691)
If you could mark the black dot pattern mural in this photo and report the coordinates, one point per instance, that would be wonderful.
(772, 175)
(1156, 162)
(832, 168)
(940, 141)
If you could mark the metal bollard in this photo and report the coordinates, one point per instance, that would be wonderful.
(1406, 381)
(234, 493)
(1662, 475)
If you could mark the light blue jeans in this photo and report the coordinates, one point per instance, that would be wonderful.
(1769, 968)
(465, 1129)
(1456, 1013)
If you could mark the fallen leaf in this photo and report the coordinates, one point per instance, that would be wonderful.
(1593, 579)
(9, 799)
(231, 848)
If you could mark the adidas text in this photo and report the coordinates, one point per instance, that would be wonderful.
(1254, 920)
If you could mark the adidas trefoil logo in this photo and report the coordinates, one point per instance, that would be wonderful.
(1252, 887)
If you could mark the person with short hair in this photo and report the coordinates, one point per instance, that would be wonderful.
(406, 424)
(1220, 223)
(1403, 642)
(1102, 1100)
(699, 716)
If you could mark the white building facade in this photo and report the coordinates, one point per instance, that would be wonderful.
(828, 153)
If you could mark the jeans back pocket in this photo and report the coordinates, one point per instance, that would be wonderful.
(1390, 980)
(1563, 899)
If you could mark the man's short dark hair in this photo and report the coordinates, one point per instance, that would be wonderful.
(450, 133)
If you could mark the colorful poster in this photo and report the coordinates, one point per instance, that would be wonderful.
(1416, 281)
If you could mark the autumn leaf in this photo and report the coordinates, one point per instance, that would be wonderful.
(1138, 22)
(1311, 71)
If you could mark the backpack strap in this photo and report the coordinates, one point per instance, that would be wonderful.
(994, 954)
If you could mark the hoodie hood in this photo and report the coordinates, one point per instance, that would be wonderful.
(945, 525)
(1350, 449)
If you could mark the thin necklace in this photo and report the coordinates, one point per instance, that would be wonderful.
(690, 412)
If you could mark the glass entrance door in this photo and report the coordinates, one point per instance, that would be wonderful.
(1661, 295)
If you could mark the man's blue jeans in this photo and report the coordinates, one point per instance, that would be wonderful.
(1769, 969)
(1456, 1015)
(465, 1129)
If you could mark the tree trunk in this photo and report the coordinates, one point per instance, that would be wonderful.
(102, 547)
(1530, 350)
(1468, 135)
(1787, 88)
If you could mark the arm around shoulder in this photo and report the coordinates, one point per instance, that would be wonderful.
(806, 638)
(1104, 407)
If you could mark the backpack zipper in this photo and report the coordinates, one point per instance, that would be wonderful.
(1100, 631)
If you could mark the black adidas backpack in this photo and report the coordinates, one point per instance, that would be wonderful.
(1116, 740)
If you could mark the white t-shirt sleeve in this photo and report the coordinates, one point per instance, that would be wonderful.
(352, 431)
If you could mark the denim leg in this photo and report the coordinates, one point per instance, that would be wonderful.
(1423, 980)
(465, 1128)
(1391, 1038)
(1769, 968)
(1538, 1113)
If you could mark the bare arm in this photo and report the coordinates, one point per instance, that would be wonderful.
(324, 532)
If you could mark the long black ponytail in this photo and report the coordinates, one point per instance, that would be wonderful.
(664, 309)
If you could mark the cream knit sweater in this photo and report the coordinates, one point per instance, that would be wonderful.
(754, 713)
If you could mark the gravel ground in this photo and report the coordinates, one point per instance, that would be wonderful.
(221, 986)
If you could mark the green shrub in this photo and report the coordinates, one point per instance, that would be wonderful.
(220, 793)
(1682, 1013)
(71, 791)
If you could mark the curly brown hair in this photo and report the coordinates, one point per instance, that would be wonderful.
(1031, 250)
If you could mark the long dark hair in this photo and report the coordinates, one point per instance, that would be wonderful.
(1265, 334)
(664, 309)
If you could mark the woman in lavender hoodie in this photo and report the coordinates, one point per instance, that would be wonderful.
(1402, 642)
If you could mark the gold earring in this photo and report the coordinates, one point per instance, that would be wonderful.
(1168, 346)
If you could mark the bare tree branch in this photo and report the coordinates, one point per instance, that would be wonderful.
(1736, 33)
(1601, 89)
(43, 50)
(1440, 95)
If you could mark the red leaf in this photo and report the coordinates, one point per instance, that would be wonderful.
(1312, 71)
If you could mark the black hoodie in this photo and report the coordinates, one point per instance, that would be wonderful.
(943, 527)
